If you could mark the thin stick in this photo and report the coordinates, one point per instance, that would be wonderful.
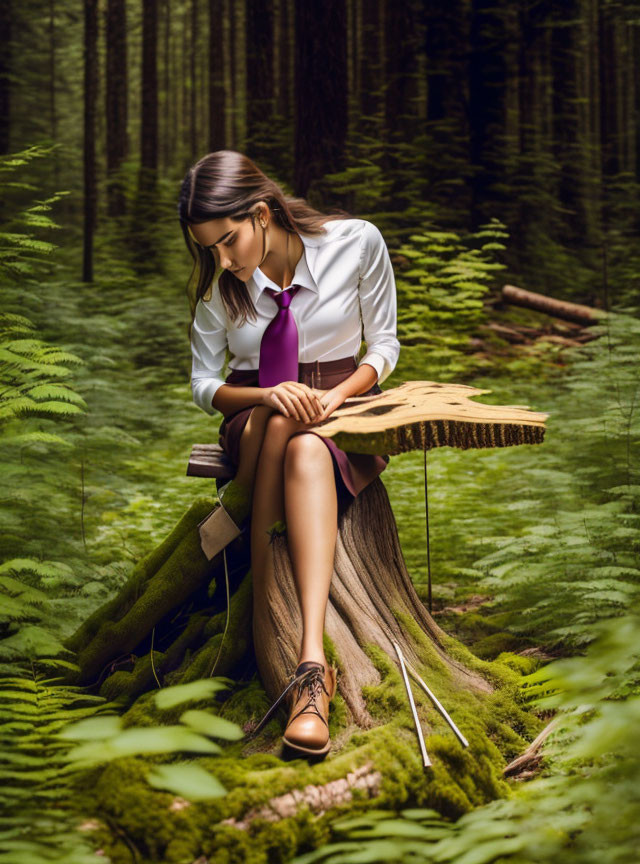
(425, 757)
(426, 512)
(438, 705)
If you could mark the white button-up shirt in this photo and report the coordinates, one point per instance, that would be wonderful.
(347, 282)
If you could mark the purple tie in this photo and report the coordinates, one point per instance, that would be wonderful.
(279, 345)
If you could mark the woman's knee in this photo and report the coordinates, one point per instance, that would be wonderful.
(279, 429)
(306, 454)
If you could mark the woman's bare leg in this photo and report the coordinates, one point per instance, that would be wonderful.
(268, 505)
(311, 500)
(311, 512)
(250, 444)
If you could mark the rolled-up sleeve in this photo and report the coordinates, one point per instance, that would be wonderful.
(378, 303)
(208, 352)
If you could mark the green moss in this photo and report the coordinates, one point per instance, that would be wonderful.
(458, 780)
(469, 626)
(122, 687)
(250, 702)
(495, 673)
(496, 644)
(236, 499)
(386, 699)
(523, 665)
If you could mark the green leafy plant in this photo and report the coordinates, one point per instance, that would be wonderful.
(585, 808)
(447, 281)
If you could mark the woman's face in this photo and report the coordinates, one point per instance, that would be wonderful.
(236, 245)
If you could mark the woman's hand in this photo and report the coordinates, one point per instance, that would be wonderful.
(331, 400)
(294, 399)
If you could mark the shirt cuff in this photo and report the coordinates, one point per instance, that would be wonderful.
(204, 389)
(378, 363)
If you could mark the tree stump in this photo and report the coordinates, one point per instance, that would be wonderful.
(370, 598)
(166, 626)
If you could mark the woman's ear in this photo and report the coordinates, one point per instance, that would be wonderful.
(261, 211)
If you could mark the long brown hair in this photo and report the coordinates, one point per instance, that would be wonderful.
(229, 184)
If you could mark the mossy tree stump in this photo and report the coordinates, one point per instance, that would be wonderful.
(175, 600)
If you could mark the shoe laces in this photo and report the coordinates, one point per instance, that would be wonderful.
(312, 679)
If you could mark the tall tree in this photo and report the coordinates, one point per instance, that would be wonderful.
(487, 106)
(284, 48)
(446, 39)
(446, 33)
(166, 110)
(403, 33)
(90, 91)
(193, 53)
(149, 125)
(217, 101)
(260, 78)
(6, 46)
(232, 10)
(568, 143)
(116, 103)
(320, 81)
(371, 68)
(52, 70)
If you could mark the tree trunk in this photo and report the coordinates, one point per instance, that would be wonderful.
(576, 312)
(90, 89)
(261, 137)
(320, 98)
(6, 16)
(284, 50)
(217, 100)
(234, 88)
(487, 107)
(403, 37)
(144, 248)
(370, 72)
(149, 124)
(53, 83)
(116, 103)
(193, 55)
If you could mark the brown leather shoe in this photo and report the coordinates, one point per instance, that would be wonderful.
(307, 730)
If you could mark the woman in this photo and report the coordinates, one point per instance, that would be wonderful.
(295, 288)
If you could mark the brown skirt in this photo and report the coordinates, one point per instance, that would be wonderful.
(352, 471)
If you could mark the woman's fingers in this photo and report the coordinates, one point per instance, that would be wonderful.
(289, 403)
(306, 396)
(279, 404)
(294, 402)
(297, 400)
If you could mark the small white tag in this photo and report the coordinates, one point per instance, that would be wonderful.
(217, 530)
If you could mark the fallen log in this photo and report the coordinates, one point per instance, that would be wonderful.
(577, 312)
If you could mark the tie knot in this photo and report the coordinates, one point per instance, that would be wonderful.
(284, 298)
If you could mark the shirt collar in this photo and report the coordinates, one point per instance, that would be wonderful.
(303, 274)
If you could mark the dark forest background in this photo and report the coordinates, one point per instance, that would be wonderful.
(447, 112)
